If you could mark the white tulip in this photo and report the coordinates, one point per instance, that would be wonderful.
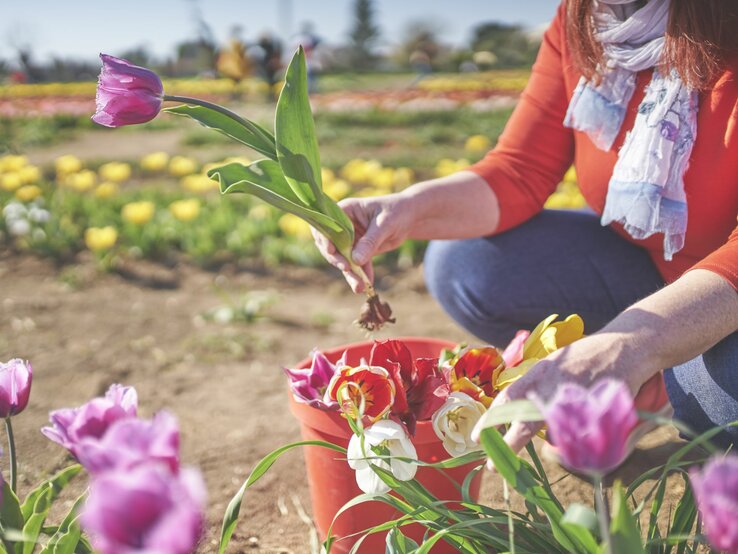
(392, 436)
(453, 423)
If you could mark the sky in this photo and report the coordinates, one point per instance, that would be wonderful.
(79, 29)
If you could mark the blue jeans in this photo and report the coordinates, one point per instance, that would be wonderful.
(566, 262)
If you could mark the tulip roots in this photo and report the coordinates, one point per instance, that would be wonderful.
(374, 313)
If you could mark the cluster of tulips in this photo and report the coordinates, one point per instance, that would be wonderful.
(389, 393)
(139, 500)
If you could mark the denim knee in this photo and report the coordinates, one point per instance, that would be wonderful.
(453, 277)
(704, 391)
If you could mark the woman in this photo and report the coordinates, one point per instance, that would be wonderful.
(642, 98)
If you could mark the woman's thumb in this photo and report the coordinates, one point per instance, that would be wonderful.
(368, 244)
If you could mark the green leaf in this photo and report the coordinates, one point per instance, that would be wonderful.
(397, 543)
(521, 477)
(68, 534)
(230, 518)
(297, 146)
(623, 528)
(265, 180)
(515, 410)
(685, 516)
(57, 483)
(44, 496)
(244, 131)
(11, 517)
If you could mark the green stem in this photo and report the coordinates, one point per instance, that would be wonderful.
(510, 522)
(11, 454)
(255, 129)
(602, 513)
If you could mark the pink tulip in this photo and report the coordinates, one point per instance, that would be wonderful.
(309, 385)
(15, 387)
(91, 420)
(716, 490)
(513, 354)
(146, 509)
(590, 427)
(126, 94)
(131, 442)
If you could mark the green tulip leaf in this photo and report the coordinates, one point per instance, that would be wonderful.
(230, 518)
(67, 536)
(56, 484)
(624, 532)
(297, 146)
(242, 130)
(11, 517)
(264, 179)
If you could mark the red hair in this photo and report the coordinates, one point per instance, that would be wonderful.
(701, 36)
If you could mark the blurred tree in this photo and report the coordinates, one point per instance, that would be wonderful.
(363, 36)
(421, 48)
(509, 44)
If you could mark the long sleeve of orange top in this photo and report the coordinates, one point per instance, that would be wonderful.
(535, 149)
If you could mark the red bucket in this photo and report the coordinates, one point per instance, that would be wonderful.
(333, 483)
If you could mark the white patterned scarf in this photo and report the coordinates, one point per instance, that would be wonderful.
(646, 190)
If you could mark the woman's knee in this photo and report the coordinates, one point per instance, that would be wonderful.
(470, 286)
(704, 391)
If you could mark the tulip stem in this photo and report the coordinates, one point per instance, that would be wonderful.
(11, 454)
(255, 129)
(602, 513)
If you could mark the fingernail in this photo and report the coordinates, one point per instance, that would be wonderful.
(490, 465)
(358, 256)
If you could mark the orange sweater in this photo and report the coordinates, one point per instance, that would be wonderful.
(535, 150)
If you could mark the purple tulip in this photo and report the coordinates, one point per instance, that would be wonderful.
(145, 509)
(126, 94)
(131, 442)
(716, 490)
(590, 427)
(91, 420)
(309, 385)
(15, 387)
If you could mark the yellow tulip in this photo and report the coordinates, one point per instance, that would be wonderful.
(155, 162)
(179, 166)
(106, 190)
(117, 172)
(477, 143)
(11, 162)
(65, 165)
(327, 176)
(98, 239)
(260, 212)
(81, 181)
(11, 181)
(185, 210)
(28, 193)
(29, 174)
(445, 167)
(337, 189)
(571, 175)
(198, 183)
(293, 226)
(404, 177)
(384, 179)
(547, 337)
(138, 213)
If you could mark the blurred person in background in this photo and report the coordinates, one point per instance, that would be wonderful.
(310, 42)
(642, 97)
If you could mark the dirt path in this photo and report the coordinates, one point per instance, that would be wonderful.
(84, 331)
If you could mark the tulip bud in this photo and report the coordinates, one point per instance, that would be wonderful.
(590, 428)
(15, 387)
(126, 94)
(716, 490)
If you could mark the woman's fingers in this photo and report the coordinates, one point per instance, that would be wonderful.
(520, 434)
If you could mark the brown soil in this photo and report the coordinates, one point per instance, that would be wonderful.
(83, 331)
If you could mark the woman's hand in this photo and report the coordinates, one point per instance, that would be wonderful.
(381, 224)
(584, 362)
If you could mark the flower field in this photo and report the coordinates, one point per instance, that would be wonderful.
(245, 293)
